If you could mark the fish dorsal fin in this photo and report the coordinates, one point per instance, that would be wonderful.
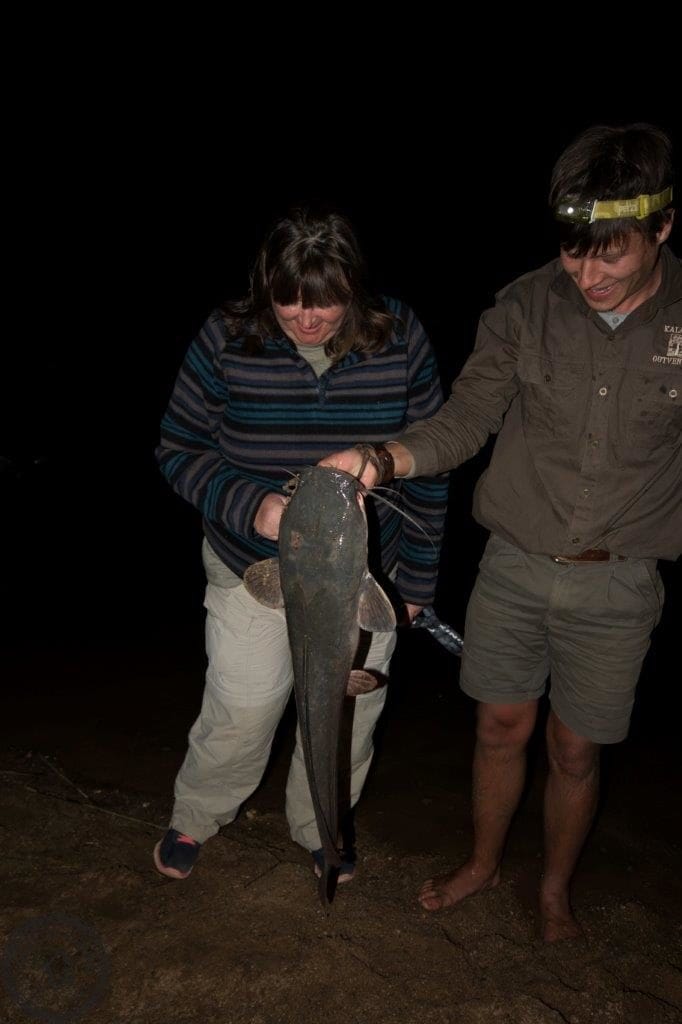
(375, 611)
(262, 581)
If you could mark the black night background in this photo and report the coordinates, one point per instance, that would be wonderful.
(140, 228)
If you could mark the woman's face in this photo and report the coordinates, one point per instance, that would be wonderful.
(309, 325)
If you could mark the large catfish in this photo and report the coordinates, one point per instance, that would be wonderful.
(328, 594)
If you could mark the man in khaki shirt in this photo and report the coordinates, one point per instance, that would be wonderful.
(578, 369)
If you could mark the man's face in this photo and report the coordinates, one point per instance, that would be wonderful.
(620, 278)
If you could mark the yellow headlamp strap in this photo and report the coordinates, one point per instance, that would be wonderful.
(641, 207)
(610, 209)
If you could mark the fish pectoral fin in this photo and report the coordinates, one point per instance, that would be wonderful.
(262, 581)
(375, 611)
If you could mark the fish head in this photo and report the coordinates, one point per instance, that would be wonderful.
(325, 519)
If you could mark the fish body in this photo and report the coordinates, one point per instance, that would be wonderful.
(328, 594)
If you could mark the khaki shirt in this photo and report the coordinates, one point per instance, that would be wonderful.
(589, 451)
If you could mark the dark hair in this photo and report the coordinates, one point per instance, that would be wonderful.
(313, 256)
(607, 162)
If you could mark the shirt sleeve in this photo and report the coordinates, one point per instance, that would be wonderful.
(480, 397)
(189, 451)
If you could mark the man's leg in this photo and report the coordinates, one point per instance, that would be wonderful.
(499, 773)
(505, 663)
(600, 621)
(570, 802)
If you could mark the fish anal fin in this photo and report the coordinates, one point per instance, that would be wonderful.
(262, 581)
(360, 681)
(375, 611)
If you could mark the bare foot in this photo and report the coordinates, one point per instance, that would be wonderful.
(455, 886)
(558, 922)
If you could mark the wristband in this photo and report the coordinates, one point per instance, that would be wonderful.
(380, 457)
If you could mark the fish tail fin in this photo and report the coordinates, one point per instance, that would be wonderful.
(327, 884)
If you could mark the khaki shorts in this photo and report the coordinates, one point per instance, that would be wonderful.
(586, 625)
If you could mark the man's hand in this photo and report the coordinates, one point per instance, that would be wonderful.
(269, 514)
(351, 460)
(413, 611)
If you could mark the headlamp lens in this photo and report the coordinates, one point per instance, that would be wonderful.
(578, 210)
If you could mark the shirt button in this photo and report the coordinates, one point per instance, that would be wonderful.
(595, 443)
(575, 540)
(586, 490)
(547, 378)
(603, 391)
(673, 393)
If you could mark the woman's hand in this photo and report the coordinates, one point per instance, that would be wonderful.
(269, 514)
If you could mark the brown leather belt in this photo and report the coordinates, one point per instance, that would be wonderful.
(590, 555)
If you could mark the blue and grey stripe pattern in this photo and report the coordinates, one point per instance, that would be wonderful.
(238, 425)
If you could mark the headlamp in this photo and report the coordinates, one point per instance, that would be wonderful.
(589, 210)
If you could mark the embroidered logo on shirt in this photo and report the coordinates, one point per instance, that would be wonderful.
(673, 334)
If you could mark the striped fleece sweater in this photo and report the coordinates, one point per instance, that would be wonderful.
(238, 425)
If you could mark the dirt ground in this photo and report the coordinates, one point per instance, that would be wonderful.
(91, 932)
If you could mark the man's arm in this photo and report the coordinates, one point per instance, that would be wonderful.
(480, 397)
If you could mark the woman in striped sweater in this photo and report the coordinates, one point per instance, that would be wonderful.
(306, 364)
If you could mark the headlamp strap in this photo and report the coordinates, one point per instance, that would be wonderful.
(641, 207)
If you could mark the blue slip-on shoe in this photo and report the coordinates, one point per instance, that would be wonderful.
(176, 854)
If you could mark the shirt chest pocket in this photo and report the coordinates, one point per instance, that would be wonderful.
(655, 417)
(549, 395)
